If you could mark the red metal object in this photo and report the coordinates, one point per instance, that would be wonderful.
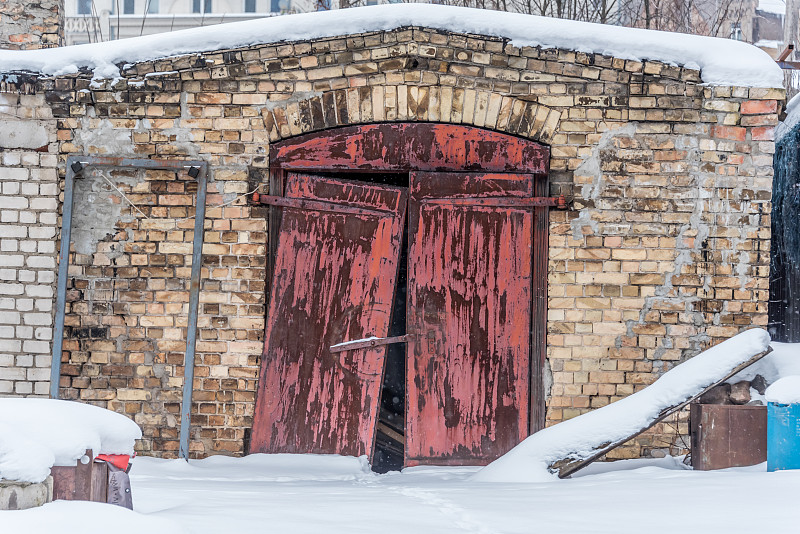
(412, 147)
(727, 435)
(469, 302)
(334, 278)
(120, 461)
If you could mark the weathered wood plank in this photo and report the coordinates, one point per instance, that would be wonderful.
(568, 466)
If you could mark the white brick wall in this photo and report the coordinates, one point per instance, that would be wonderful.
(28, 216)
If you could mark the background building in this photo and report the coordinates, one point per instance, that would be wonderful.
(103, 20)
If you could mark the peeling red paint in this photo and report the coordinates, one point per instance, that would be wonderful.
(476, 295)
(469, 304)
(333, 281)
(412, 146)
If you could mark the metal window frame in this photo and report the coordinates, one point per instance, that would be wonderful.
(198, 170)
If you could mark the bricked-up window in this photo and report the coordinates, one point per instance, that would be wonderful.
(249, 6)
(84, 7)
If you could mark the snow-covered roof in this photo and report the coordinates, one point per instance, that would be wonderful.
(776, 7)
(721, 61)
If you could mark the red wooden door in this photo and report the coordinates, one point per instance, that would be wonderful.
(333, 281)
(469, 307)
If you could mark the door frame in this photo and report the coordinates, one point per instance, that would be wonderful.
(425, 146)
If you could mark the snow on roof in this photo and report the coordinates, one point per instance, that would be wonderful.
(721, 61)
(777, 7)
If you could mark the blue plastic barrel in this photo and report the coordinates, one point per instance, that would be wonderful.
(783, 436)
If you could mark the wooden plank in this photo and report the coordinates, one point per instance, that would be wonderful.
(568, 466)
(334, 276)
(540, 254)
(99, 489)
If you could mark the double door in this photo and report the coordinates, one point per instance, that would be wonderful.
(468, 321)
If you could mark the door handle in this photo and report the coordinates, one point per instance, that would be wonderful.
(369, 342)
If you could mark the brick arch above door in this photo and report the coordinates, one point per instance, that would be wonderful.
(402, 103)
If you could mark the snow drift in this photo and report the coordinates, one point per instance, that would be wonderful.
(784, 391)
(581, 437)
(720, 61)
(36, 434)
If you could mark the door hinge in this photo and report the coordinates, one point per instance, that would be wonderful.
(558, 202)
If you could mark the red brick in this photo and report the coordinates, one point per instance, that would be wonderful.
(763, 133)
(734, 133)
(758, 107)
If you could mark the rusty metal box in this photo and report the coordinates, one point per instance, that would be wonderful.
(727, 435)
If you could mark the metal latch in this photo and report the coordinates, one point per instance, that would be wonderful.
(369, 343)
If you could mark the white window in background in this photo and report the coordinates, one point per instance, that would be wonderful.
(127, 7)
(275, 6)
(84, 7)
(207, 6)
(152, 6)
(195, 6)
(736, 31)
(372, 2)
(249, 6)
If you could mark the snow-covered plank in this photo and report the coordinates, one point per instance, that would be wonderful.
(571, 445)
(721, 61)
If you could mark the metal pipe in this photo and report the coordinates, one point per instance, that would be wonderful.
(63, 267)
(194, 304)
(197, 170)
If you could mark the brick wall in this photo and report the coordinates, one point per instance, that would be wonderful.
(26, 25)
(28, 223)
(664, 252)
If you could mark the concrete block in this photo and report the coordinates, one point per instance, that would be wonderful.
(24, 495)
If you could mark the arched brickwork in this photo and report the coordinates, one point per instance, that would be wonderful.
(389, 103)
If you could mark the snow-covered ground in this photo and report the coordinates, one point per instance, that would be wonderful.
(336, 495)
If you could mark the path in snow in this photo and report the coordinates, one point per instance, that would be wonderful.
(337, 496)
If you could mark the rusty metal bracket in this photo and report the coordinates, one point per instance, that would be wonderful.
(317, 205)
(197, 170)
(369, 343)
(503, 202)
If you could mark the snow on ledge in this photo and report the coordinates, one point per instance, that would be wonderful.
(581, 436)
(721, 61)
(784, 391)
(36, 434)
